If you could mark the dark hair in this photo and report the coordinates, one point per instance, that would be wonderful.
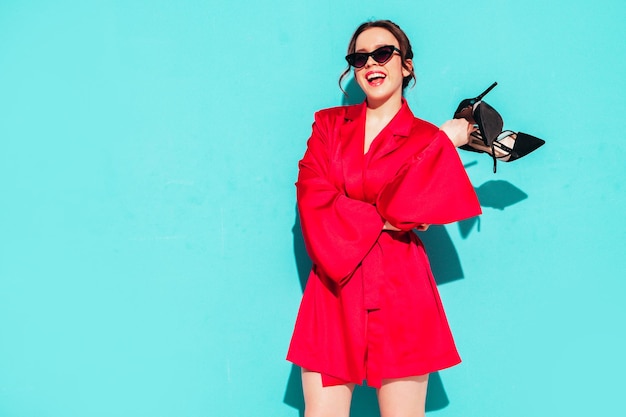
(406, 52)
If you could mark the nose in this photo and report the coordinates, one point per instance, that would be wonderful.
(373, 61)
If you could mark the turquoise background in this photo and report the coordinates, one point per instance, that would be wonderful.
(150, 260)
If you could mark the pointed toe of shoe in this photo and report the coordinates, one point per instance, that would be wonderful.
(525, 144)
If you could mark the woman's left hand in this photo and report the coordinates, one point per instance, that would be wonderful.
(389, 226)
(458, 130)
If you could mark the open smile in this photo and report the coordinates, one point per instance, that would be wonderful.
(375, 78)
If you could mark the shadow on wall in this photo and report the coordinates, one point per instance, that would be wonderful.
(495, 194)
(499, 194)
(354, 94)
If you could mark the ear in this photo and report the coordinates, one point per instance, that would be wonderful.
(409, 64)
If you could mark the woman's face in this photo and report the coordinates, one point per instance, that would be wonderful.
(380, 82)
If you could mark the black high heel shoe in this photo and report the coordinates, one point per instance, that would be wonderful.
(506, 146)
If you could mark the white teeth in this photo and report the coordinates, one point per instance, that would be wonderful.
(374, 75)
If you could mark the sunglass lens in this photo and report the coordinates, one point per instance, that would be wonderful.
(382, 55)
(358, 60)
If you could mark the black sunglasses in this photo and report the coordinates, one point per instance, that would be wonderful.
(380, 55)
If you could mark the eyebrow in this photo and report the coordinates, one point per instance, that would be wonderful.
(375, 47)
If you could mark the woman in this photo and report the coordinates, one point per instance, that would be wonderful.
(371, 174)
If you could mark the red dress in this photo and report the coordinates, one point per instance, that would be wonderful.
(371, 309)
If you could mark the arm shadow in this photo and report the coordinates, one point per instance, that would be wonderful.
(499, 194)
(443, 257)
(303, 262)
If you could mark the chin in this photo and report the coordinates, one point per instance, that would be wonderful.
(379, 96)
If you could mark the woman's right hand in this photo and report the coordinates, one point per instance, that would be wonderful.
(458, 130)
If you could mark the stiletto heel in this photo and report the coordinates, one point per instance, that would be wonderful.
(466, 107)
(485, 118)
(506, 146)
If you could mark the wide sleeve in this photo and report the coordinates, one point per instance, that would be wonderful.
(432, 188)
(338, 231)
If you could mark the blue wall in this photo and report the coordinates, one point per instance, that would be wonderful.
(149, 264)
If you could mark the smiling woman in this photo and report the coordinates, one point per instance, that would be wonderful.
(372, 174)
(148, 262)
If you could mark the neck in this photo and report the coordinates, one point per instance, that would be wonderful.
(384, 109)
